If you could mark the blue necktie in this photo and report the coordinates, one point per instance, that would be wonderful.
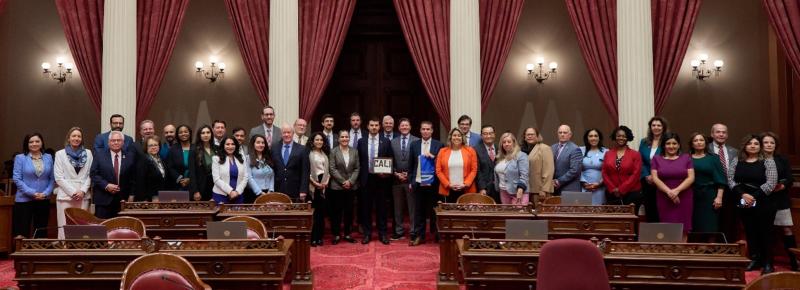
(285, 154)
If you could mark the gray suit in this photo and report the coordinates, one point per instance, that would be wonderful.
(276, 133)
(340, 201)
(401, 194)
(341, 172)
(567, 167)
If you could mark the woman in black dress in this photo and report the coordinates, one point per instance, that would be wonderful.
(150, 171)
(783, 215)
(200, 165)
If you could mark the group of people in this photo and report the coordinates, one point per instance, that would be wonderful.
(704, 183)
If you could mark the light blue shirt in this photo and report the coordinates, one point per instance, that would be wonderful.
(262, 179)
(592, 164)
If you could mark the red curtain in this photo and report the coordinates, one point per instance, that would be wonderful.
(323, 26)
(426, 27)
(784, 16)
(595, 24)
(498, 21)
(673, 23)
(2, 6)
(250, 21)
(158, 23)
(83, 27)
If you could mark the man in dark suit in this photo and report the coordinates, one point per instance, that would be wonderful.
(327, 129)
(117, 124)
(487, 153)
(291, 166)
(568, 164)
(374, 187)
(426, 192)
(147, 128)
(464, 125)
(401, 194)
(388, 131)
(267, 128)
(113, 172)
(729, 216)
(356, 133)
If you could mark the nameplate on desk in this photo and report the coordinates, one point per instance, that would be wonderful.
(382, 165)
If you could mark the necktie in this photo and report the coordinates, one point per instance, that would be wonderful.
(560, 148)
(491, 153)
(723, 159)
(285, 154)
(355, 138)
(269, 138)
(116, 167)
(403, 146)
(371, 152)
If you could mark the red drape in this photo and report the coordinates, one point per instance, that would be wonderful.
(595, 24)
(673, 23)
(498, 21)
(2, 6)
(426, 27)
(323, 26)
(784, 16)
(250, 21)
(158, 23)
(83, 27)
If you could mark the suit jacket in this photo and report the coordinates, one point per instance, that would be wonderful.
(302, 139)
(221, 176)
(291, 178)
(334, 140)
(568, 167)
(28, 183)
(395, 134)
(103, 174)
(415, 151)
(276, 133)
(341, 172)
(401, 158)
(627, 179)
(644, 151)
(70, 181)
(485, 179)
(149, 179)
(101, 142)
(516, 174)
(541, 161)
(731, 153)
(470, 169)
(199, 175)
(474, 139)
(384, 150)
(361, 135)
(175, 167)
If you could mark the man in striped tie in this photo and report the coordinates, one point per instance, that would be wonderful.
(728, 216)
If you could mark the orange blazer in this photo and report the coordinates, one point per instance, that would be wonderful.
(470, 169)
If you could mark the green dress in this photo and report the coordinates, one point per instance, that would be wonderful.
(708, 177)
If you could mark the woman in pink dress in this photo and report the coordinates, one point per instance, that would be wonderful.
(673, 175)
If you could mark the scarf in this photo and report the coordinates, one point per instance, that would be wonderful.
(76, 157)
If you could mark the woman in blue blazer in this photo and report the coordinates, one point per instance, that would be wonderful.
(649, 147)
(33, 175)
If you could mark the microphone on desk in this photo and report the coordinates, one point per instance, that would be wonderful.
(36, 230)
(168, 279)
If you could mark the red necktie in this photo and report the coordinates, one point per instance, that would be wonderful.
(491, 153)
(116, 166)
(722, 159)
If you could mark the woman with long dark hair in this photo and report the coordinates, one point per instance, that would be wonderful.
(783, 215)
(178, 159)
(200, 160)
(319, 170)
(262, 176)
(649, 147)
(33, 175)
(228, 172)
(591, 175)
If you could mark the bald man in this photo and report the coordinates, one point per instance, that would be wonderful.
(299, 136)
(568, 160)
(291, 165)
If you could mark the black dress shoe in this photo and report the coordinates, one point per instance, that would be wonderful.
(365, 240)
(313, 243)
(416, 242)
(384, 240)
(396, 237)
(349, 239)
(768, 268)
(754, 265)
(319, 243)
(335, 240)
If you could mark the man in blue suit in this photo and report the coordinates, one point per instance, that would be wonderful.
(464, 124)
(568, 160)
(113, 173)
(117, 123)
(374, 188)
(291, 165)
(426, 191)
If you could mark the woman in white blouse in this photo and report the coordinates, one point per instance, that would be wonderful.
(229, 172)
(320, 175)
(511, 171)
(71, 172)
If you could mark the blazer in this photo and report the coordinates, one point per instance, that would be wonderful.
(103, 174)
(149, 179)
(341, 173)
(395, 134)
(732, 153)
(516, 174)
(384, 150)
(401, 161)
(542, 168)
(333, 141)
(485, 167)
(568, 167)
(175, 167)
(221, 175)
(70, 181)
(474, 139)
(644, 150)
(276, 133)
(101, 142)
(300, 139)
(415, 151)
(291, 178)
(627, 179)
(199, 177)
(470, 169)
(28, 183)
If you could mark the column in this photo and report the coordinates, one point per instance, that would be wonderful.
(465, 62)
(284, 60)
(119, 64)
(635, 66)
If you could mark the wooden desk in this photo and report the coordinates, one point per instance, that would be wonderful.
(291, 220)
(512, 264)
(615, 222)
(172, 220)
(223, 264)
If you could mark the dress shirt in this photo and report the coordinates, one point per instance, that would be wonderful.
(119, 168)
(425, 148)
(456, 165)
(354, 137)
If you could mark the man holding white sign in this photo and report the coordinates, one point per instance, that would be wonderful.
(375, 155)
(423, 183)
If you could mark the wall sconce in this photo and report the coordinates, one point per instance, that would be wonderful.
(213, 72)
(62, 72)
(702, 70)
(538, 71)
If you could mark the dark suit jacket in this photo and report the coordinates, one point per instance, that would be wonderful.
(415, 150)
(384, 150)
(101, 142)
(292, 178)
(568, 167)
(148, 179)
(200, 176)
(485, 178)
(361, 135)
(174, 164)
(103, 174)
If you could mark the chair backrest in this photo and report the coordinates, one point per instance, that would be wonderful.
(475, 198)
(161, 271)
(571, 264)
(552, 200)
(777, 280)
(125, 227)
(255, 228)
(79, 216)
(273, 197)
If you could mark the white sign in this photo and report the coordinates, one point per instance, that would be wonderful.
(382, 165)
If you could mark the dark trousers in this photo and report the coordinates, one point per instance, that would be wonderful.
(319, 204)
(494, 194)
(340, 204)
(729, 217)
(759, 231)
(32, 213)
(373, 195)
(426, 200)
(634, 197)
(453, 196)
(649, 192)
(107, 211)
(248, 196)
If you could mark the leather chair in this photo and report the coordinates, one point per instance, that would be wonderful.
(255, 228)
(79, 216)
(273, 197)
(571, 264)
(552, 200)
(475, 198)
(777, 280)
(161, 271)
(124, 227)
